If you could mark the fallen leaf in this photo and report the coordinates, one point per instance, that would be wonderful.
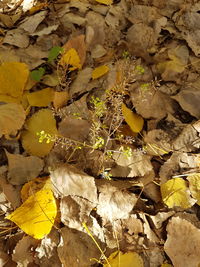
(99, 71)
(12, 117)
(183, 242)
(71, 57)
(129, 259)
(135, 121)
(21, 169)
(105, 2)
(60, 99)
(37, 214)
(54, 52)
(41, 98)
(36, 75)
(175, 193)
(30, 24)
(42, 120)
(13, 78)
(194, 186)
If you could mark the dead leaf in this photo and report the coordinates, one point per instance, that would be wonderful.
(183, 242)
(12, 117)
(17, 37)
(31, 23)
(194, 186)
(105, 2)
(128, 259)
(60, 99)
(41, 98)
(71, 58)
(22, 169)
(99, 71)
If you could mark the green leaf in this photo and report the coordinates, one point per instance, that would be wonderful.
(36, 75)
(54, 52)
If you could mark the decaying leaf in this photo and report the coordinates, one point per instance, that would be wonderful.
(37, 214)
(12, 117)
(13, 78)
(42, 120)
(194, 186)
(99, 71)
(22, 169)
(128, 259)
(183, 242)
(176, 193)
(134, 121)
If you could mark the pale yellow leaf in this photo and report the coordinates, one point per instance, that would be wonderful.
(175, 193)
(134, 120)
(37, 214)
(99, 71)
(129, 259)
(41, 98)
(194, 186)
(13, 78)
(105, 2)
(42, 120)
(12, 117)
(71, 57)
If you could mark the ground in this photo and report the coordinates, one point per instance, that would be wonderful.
(99, 133)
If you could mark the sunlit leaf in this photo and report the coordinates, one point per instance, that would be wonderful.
(129, 259)
(175, 193)
(105, 2)
(99, 71)
(134, 120)
(194, 186)
(12, 117)
(41, 98)
(54, 52)
(42, 120)
(71, 57)
(37, 214)
(13, 78)
(36, 75)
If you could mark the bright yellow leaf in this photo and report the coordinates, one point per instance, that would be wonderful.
(37, 214)
(194, 186)
(42, 120)
(13, 78)
(99, 71)
(105, 2)
(41, 98)
(12, 117)
(166, 265)
(71, 57)
(134, 121)
(175, 193)
(129, 259)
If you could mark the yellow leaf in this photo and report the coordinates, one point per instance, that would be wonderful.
(41, 98)
(13, 78)
(12, 117)
(9, 99)
(99, 71)
(129, 259)
(105, 2)
(60, 99)
(134, 121)
(42, 120)
(71, 57)
(194, 186)
(36, 8)
(37, 214)
(166, 265)
(175, 193)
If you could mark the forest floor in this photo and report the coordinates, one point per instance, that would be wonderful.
(99, 133)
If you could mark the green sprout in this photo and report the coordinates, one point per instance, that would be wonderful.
(127, 151)
(99, 106)
(144, 87)
(125, 54)
(99, 142)
(140, 69)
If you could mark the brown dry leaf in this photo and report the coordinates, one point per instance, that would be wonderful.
(22, 169)
(194, 186)
(12, 117)
(17, 37)
(69, 181)
(22, 254)
(183, 242)
(30, 24)
(71, 255)
(60, 99)
(77, 43)
(114, 203)
(13, 78)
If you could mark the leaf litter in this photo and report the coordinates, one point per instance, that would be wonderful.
(99, 133)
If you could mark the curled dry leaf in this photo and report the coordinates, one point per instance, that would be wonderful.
(183, 242)
(12, 117)
(194, 185)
